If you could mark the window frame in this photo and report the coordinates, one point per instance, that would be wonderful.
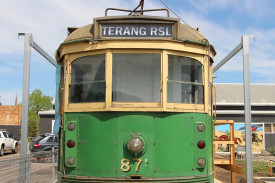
(182, 82)
(94, 82)
(272, 127)
(109, 105)
(5, 134)
(138, 104)
(77, 107)
(50, 137)
(184, 106)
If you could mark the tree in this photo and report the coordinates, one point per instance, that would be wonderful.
(33, 125)
(37, 102)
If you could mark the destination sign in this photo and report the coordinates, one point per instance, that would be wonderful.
(133, 30)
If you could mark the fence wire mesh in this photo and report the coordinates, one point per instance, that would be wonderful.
(39, 167)
(262, 160)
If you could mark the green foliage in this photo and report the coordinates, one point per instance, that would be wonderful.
(37, 102)
(33, 125)
(259, 167)
(255, 169)
(271, 150)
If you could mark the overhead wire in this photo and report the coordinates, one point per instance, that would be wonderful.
(203, 40)
(182, 21)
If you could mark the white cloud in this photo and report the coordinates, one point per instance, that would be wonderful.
(254, 8)
(225, 39)
(48, 20)
(259, 9)
(205, 6)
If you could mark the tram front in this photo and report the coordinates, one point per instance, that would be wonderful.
(135, 102)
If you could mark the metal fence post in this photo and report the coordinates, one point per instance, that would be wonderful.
(247, 108)
(30, 166)
(53, 176)
(25, 104)
(28, 43)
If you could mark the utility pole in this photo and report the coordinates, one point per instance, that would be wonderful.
(244, 45)
(28, 43)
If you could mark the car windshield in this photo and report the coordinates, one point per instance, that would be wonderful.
(37, 139)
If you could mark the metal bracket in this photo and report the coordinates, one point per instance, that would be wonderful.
(28, 43)
(244, 45)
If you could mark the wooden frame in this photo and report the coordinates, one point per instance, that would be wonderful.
(79, 107)
(108, 105)
(182, 106)
(225, 163)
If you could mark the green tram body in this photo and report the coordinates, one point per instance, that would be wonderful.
(96, 133)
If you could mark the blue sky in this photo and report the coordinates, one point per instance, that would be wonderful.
(237, 126)
(223, 22)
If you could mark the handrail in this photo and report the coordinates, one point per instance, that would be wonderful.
(131, 11)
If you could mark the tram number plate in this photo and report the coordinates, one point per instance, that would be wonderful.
(125, 164)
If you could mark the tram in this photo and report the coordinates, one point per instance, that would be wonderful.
(135, 101)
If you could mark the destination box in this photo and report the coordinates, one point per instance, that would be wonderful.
(133, 30)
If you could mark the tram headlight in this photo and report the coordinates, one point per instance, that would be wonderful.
(201, 162)
(70, 161)
(71, 126)
(200, 127)
(135, 145)
(70, 143)
(201, 144)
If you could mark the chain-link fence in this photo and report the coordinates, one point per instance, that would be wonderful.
(263, 161)
(39, 167)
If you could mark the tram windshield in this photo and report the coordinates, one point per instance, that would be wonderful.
(136, 77)
(185, 83)
(88, 79)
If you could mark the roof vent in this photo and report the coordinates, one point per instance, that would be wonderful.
(71, 29)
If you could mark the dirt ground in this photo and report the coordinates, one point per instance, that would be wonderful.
(225, 177)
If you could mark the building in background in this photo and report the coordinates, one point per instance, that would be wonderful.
(10, 119)
(230, 106)
(47, 119)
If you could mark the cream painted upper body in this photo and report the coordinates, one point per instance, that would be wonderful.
(188, 43)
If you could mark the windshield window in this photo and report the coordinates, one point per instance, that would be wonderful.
(5, 134)
(88, 79)
(136, 77)
(37, 139)
(50, 139)
(9, 135)
(56, 139)
(184, 80)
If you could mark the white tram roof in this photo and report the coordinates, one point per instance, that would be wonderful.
(233, 94)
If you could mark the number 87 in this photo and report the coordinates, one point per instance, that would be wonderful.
(125, 164)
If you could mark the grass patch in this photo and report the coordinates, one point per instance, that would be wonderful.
(259, 167)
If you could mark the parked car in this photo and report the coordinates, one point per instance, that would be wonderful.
(7, 142)
(44, 142)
